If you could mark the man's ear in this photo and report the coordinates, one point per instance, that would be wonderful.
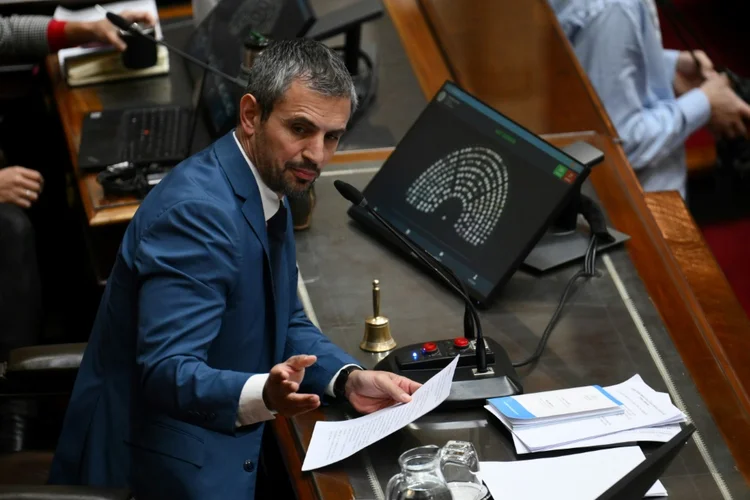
(249, 114)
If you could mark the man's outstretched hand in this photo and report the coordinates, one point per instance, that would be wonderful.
(370, 391)
(280, 392)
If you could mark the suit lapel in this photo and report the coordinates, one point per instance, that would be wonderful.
(244, 186)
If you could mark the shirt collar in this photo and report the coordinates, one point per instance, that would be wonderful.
(268, 198)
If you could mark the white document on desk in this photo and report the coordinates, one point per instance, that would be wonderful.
(644, 407)
(94, 14)
(659, 434)
(583, 476)
(334, 441)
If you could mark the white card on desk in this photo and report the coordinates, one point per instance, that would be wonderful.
(583, 476)
(334, 441)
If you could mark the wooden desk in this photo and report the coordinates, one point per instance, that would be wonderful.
(75, 103)
(473, 50)
(604, 337)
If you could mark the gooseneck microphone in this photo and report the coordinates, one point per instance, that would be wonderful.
(356, 197)
(129, 27)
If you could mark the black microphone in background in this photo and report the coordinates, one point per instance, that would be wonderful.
(133, 28)
(356, 197)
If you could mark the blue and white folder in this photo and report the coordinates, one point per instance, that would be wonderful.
(543, 408)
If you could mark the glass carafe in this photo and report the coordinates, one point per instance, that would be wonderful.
(434, 473)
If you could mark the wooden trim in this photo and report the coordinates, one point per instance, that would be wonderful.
(356, 155)
(303, 484)
(327, 483)
(176, 11)
(424, 53)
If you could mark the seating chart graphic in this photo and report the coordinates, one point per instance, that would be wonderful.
(477, 177)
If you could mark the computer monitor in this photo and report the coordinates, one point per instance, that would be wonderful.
(219, 40)
(472, 187)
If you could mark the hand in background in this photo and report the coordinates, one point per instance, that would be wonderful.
(370, 391)
(729, 112)
(80, 33)
(280, 392)
(688, 76)
(20, 186)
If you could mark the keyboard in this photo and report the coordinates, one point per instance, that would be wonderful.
(156, 134)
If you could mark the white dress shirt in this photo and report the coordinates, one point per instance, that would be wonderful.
(252, 408)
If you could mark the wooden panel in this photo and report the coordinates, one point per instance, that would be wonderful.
(511, 56)
(729, 341)
(426, 59)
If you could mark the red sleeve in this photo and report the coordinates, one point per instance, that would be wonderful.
(56, 35)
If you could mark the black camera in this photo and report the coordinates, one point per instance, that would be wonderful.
(734, 154)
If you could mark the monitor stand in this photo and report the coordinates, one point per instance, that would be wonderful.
(566, 240)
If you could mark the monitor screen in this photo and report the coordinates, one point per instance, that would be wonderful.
(473, 188)
(219, 41)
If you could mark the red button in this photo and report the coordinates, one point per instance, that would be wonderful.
(461, 342)
(429, 347)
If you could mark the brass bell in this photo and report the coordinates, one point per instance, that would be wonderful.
(377, 328)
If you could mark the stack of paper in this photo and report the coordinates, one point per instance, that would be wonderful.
(648, 416)
(545, 408)
(99, 63)
(583, 476)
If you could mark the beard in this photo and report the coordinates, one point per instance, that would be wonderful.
(281, 179)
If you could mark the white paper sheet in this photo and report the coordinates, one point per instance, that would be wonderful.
(643, 408)
(583, 476)
(94, 14)
(334, 441)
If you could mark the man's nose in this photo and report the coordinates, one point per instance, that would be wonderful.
(315, 150)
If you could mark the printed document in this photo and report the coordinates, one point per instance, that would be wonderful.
(542, 408)
(583, 476)
(334, 441)
(644, 407)
(659, 434)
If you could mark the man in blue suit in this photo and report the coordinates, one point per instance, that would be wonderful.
(200, 336)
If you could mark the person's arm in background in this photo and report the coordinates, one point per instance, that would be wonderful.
(37, 36)
(611, 51)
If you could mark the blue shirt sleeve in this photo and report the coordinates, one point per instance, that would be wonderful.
(613, 51)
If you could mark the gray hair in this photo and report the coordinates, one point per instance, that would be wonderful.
(311, 62)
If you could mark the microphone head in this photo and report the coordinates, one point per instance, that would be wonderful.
(349, 192)
(119, 21)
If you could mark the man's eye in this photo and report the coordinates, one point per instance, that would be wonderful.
(298, 129)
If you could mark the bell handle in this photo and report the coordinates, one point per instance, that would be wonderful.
(375, 298)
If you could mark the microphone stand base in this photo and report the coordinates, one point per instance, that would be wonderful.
(469, 389)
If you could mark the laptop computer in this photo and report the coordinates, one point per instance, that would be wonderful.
(473, 188)
(638, 481)
(164, 134)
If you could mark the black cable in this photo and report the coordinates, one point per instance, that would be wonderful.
(588, 271)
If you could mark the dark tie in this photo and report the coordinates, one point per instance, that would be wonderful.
(277, 224)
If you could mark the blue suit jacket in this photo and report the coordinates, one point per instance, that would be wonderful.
(195, 305)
